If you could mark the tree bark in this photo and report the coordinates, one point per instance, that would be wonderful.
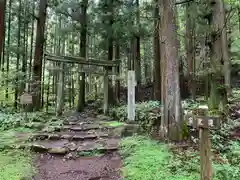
(157, 57)
(172, 119)
(24, 52)
(218, 56)
(190, 47)
(8, 44)
(83, 38)
(117, 57)
(225, 49)
(111, 98)
(137, 64)
(60, 74)
(31, 44)
(18, 55)
(2, 27)
(38, 55)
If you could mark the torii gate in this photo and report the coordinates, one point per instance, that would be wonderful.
(90, 61)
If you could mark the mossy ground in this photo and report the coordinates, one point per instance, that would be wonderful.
(113, 123)
(145, 159)
(14, 164)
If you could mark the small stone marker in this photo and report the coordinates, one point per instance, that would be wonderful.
(25, 99)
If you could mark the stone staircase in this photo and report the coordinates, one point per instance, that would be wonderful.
(78, 135)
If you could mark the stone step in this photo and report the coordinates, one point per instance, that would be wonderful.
(105, 144)
(84, 133)
(79, 135)
(66, 146)
(81, 127)
(76, 122)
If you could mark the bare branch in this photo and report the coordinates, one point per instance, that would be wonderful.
(183, 2)
(34, 16)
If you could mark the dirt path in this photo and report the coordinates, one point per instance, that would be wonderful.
(105, 167)
(62, 154)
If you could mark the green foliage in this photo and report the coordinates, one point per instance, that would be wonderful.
(145, 114)
(230, 169)
(221, 139)
(91, 153)
(234, 153)
(145, 159)
(228, 151)
(15, 165)
(34, 121)
(233, 2)
(12, 139)
(8, 120)
(112, 123)
(189, 104)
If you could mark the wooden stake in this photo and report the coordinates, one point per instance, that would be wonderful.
(205, 151)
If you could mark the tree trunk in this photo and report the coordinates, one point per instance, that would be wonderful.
(8, 44)
(117, 57)
(24, 52)
(217, 91)
(43, 79)
(72, 76)
(190, 47)
(156, 41)
(172, 119)
(18, 54)
(83, 38)
(37, 64)
(2, 27)
(31, 44)
(137, 64)
(225, 49)
(60, 80)
(111, 98)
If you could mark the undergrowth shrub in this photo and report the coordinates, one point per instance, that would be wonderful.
(227, 166)
(221, 138)
(145, 159)
(14, 120)
(15, 165)
(146, 113)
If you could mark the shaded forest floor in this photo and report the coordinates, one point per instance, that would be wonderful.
(89, 146)
(76, 146)
(85, 148)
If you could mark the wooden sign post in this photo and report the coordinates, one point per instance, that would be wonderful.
(25, 99)
(204, 123)
(131, 95)
(205, 149)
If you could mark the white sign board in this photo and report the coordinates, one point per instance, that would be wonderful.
(26, 98)
(131, 95)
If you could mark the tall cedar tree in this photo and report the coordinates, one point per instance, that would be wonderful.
(2, 27)
(156, 49)
(37, 63)
(83, 41)
(190, 47)
(172, 120)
